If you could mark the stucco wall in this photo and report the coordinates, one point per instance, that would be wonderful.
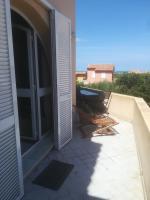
(35, 15)
(66, 7)
(98, 77)
(90, 78)
(136, 111)
(39, 18)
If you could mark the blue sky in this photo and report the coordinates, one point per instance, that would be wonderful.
(113, 31)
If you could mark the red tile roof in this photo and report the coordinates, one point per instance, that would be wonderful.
(101, 67)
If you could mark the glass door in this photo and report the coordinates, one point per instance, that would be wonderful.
(23, 54)
(43, 79)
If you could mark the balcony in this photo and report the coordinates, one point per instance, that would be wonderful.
(112, 167)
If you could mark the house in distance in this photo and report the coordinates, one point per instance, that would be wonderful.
(81, 76)
(100, 73)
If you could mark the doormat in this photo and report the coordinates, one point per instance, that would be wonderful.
(54, 175)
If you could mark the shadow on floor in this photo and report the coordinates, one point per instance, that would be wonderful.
(83, 154)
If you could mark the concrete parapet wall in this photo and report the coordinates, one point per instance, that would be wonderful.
(136, 111)
(122, 106)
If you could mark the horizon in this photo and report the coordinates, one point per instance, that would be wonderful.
(118, 70)
(142, 71)
(121, 34)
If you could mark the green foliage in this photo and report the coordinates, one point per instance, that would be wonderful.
(106, 86)
(134, 84)
(131, 84)
(79, 83)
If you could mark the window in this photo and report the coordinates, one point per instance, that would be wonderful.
(103, 75)
(93, 74)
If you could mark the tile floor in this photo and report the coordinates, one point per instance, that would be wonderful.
(105, 168)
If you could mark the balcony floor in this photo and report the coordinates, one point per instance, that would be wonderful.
(105, 168)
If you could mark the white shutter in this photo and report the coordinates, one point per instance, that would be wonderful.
(11, 181)
(62, 79)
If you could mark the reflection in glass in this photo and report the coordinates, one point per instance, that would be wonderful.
(25, 116)
(44, 68)
(21, 58)
(46, 113)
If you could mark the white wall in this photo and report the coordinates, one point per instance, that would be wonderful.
(136, 111)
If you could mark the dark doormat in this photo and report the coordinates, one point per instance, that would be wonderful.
(54, 175)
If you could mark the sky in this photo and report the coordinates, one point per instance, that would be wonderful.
(115, 32)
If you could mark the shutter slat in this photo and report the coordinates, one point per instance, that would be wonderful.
(4, 164)
(5, 135)
(3, 31)
(8, 166)
(4, 64)
(63, 80)
(2, 25)
(2, 92)
(6, 99)
(3, 51)
(3, 55)
(6, 103)
(6, 115)
(3, 36)
(11, 179)
(2, 19)
(4, 84)
(3, 43)
(5, 96)
(9, 194)
(3, 59)
(3, 76)
(5, 90)
(5, 109)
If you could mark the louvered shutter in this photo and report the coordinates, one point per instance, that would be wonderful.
(11, 181)
(62, 79)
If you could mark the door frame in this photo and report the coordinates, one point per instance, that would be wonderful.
(34, 74)
(50, 9)
(40, 92)
(29, 92)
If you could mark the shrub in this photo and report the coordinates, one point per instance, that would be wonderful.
(131, 84)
